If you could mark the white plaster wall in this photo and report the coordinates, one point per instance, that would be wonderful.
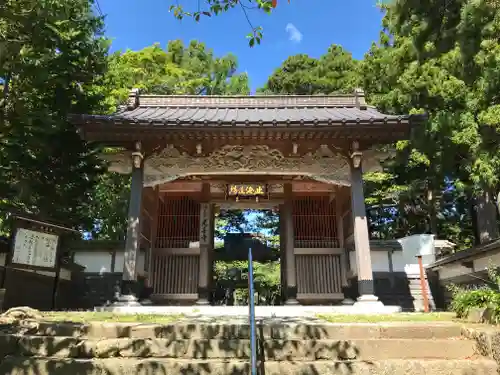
(398, 261)
(94, 261)
(100, 261)
(380, 262)
(403, 261)
(483, 263)
(3, 258)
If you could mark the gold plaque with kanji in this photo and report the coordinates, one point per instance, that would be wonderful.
(246, 190)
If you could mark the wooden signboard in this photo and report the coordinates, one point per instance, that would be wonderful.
(35, 249)
(36, 244)
(246, 190)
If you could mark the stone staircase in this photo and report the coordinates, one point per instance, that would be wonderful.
(222, 348)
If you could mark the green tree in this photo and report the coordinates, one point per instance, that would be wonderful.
(52, 56)
(424, 188)
(230, 221)
(177, 69)
(442, 62)
(334, 72)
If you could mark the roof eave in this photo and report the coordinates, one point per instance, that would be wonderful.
(84, 121)
(473, 252)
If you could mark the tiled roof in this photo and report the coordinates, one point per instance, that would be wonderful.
(247, 110)
(171, 115)
(490, 247)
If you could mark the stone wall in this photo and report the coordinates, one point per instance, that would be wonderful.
(97, 289)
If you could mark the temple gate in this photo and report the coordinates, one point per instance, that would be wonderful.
(301, 155)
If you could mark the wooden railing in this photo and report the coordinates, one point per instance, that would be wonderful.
(174, 268)
(320, 274)
(175, 274)
(319, 260)
(178, 223)
(314, 222)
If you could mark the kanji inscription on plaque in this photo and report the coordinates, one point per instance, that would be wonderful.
(246, 190)
(34, 248)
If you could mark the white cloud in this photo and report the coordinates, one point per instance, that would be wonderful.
(293, 33)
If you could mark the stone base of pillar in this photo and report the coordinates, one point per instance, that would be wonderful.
(127, 295)
(126, 300)
(347, 302)
(145, 296)
(291, 296)
(368, 303)
(203, 294)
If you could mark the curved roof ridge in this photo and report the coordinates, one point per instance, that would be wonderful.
(357, 99)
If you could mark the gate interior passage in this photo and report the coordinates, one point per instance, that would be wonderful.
(311, 255)
(231, 268)
(303, 155)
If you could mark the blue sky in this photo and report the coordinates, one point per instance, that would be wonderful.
(303, 26)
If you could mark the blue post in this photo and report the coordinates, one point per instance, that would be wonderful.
(251, 316)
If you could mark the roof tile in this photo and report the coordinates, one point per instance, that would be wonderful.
(242, 115)
(249, 110)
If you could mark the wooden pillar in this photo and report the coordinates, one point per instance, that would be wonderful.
(282, 252)
(361, 237)
(339, 221)
(211, 258)
(291, 272)
(129, 280)
(153, 234)
(206, 241)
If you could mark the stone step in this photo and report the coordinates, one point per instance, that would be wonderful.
(186, 330)
(124, 366)
(270, 349)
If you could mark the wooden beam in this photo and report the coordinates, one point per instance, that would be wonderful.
(320, 296)
(317, 251)
(179, 251)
